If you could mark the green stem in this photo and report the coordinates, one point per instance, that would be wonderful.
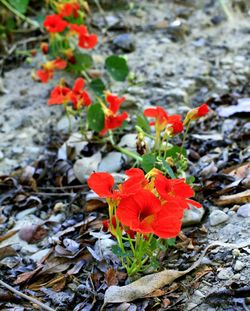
(128, 153)
(18, 14)
(185, 137)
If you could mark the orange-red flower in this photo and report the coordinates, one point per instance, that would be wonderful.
(85, 40)
(47, 71)
(60, 95)
(196, 113)
(144, 213)
(54, 23)
(134, 183)
(164, 121)
(68, 9)
(175, 190)
(112, 119)
(102, 184)
(79, 96)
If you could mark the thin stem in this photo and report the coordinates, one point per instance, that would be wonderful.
(185, 137)
(18, 14)
(128, 153)
(33, 300)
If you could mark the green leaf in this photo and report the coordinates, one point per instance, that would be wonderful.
(97, 86)
(119, 253)
(82, 62)
(175, 151)
(171, 242)
(143, 123)
(148, 162)
(117, 67)
(19, 5)
(95, 117)
(190, 180)
(168, 168)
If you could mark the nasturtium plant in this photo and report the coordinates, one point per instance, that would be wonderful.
(117, 67)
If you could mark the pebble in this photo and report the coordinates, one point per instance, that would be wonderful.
(225, 274)
(193, 216)
(239, 265)
(125, 42)
(112, 162)
(85, 166)
(244, 210)
(217, 217)
(1, 155)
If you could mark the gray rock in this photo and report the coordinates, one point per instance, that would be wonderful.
(218, 217)
(225, 274)
(112, 162)
(193, 216)
(239, 265)
(1, 155)
(244, 210)
(85, 166)
(125, 42)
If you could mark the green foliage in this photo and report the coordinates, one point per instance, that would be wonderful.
(175, 151)
(117, 67)
(120, 253)
(82, 62)
(143, 123)
(95, 117)
(168, 169)
(97, 86)
(20, 5)
(148, 162)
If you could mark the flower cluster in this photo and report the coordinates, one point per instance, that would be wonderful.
(148, 204)
(78, 96)
(67, 33)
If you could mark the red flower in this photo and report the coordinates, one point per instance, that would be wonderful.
(68, 9)
(59, 63)
(60, 95)
(175, 190)
(47, 72)
(54, 23)
(134, 183)
(112, 120)
(138, 212)
(44, 75)
(79, 96)
(168, 221)
(144, 213)
(85, 40)
(176, 125)
(202, 110)
(196, 113)
(163, 120)
(102, 184)
(44, 47)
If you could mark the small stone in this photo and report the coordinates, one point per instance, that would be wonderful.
(225, 274)
(199, 294)
(239, 265)
(217, 217)
(85, 166)
(193, 216)
(244, 210)
(112, 162)
(1, 155)
(125, 42)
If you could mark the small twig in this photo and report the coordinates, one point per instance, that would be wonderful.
(31, 299)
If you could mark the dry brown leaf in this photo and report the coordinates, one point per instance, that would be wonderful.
(238, 171)
(7, 251)
(156, 293)
(152, 282)
(26, 276)
(93, 205)
(110, 277)
(8, 235)
(241, 197)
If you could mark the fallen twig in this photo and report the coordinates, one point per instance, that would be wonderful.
(31, 299)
